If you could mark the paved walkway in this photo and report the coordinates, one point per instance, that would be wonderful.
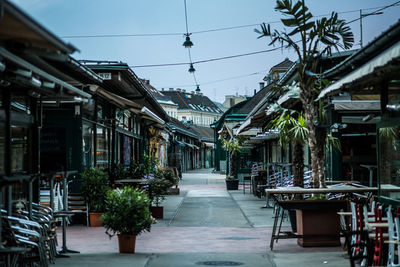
(204, 225)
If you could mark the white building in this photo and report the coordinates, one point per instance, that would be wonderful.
(194, 106)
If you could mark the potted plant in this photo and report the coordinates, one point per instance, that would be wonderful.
(172, 179)
(231, 183)
(158, 188)
(127, 215)
(95, 184)
(232, 147)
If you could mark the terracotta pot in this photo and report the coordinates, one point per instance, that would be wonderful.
(94, 219)
(126, 243)
(157, 212)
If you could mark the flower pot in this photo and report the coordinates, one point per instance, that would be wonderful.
(126, 243)
(94, 219)
(232, 184)
(157, 212)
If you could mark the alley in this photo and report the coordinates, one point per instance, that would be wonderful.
(204, 225)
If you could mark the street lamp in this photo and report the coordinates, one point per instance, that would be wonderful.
(362, 16)
(191, 68)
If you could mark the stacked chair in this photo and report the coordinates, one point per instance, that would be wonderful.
(37, 234)
(374, 239)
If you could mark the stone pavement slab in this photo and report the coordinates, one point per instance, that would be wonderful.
(204, 223)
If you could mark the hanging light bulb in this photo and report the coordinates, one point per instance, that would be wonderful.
(191, 68)
(187, 43)
(197, 89)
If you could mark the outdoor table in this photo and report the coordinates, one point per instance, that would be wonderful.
(307, 206)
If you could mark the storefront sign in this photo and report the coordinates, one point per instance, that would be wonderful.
(105, 75)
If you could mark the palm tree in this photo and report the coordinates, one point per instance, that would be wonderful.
(295, 131)
(310, 38)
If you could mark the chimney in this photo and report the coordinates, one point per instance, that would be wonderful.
(261, 85)
(171, 89)
(178, 89)
(255, 91)
(147, 81)
(162, 89)
(184, 90)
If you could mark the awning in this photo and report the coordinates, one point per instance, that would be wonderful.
(189, 145)
(151, 116)
(207, 144)
(44, 75)
(119, 100)
(182, 144)
(349, 105)
(244, 125)
(368, 68)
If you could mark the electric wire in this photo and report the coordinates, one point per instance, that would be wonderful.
(219, 80)
(208, 60)
(216, 29)
(376, 11)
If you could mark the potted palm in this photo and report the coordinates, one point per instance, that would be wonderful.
(232, 148)
(95, 184)
(127, 215)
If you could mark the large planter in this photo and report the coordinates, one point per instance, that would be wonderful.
(157, 212)
(94, 219)
(319, 222)
(126, 243)
(232, 184)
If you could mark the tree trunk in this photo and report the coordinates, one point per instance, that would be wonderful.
(298, 165)
(312, 142)
(321, 140)
(232, 164)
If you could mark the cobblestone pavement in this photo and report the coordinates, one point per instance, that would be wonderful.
(204, 225)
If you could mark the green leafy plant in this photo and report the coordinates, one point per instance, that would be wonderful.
(127, 212)
(169, 176)
(136, 170)
(95, 184)
(292, 128)
(158, 188)
(118, 171)
(149, 164)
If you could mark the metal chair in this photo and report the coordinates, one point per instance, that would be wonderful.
(394, 239)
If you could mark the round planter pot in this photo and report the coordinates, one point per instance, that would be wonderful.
(94, 219)
(157, 212)
(126, 243)
(232, 184)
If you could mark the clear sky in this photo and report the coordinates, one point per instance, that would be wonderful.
(217, 78)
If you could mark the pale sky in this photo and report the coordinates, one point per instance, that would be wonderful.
(216, 78)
